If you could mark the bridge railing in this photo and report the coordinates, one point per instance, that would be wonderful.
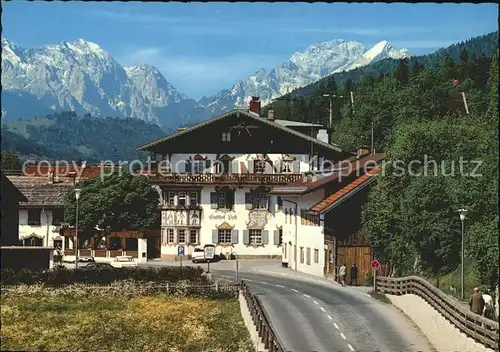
(477, 327)
(268, 336)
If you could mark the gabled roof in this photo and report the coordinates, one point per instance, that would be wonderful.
(345, 193)
(289, 123)
(39, 193)
(251, 115)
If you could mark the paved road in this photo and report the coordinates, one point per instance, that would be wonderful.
(315, 316)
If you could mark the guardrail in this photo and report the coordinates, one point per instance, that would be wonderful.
(477, 327)
(267, 334)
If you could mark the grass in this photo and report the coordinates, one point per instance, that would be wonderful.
(157, 323)
(380, 296)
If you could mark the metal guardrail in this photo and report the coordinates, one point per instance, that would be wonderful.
(477, 327)
(268, 336)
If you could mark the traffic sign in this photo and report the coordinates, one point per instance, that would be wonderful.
(209, 252)
(180, 250)
(375, 264)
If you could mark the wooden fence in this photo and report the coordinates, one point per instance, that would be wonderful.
(266, 332)
(477, 327)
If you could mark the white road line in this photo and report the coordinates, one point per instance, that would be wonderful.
(336, 326)
(294, 290)
(322, 309)
(343, 336)
(315, 302)
(307, 296)
(262, 282)
(350, 347)
(279, 286)
(329, 317)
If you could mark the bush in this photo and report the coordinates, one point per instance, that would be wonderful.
(103, 276)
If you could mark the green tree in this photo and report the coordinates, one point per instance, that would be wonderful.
(402, 72)
(11, 161)
(120, 201)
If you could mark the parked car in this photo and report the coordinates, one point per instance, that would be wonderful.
(124, 261)
(86, 260)
(198, 255)
(97, 266)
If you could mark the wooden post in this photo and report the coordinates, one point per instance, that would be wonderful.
(374, 280)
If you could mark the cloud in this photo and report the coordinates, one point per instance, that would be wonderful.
(199, 75)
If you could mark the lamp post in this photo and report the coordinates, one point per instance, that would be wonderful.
(463, 216)
(77, 197)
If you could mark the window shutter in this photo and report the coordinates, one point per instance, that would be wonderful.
(250, 164)
(213, 200)
(265, 236)
(188, 166)
(296, 167)
(246, 237)
(231, 164)
(248, 200)
(234, 236)
(276, 237)
(279, 200)
(269, 202)
(208, 163)
(215, 236)
(269, 167)
(230, 200)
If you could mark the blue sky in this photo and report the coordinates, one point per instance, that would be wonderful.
(204, 47)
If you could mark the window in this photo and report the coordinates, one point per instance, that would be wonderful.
(198, 166)
(57, 216)
(225, 200)
(259, 201)
(225, 236)
(170, 200)
(226, 137)
(170, 236)
(279, 201)
(181, 199)
(193, 236)
(259, 166)
(193, 198)
(316, 255)
(255, 236)
(34, 217)
(222, 166)
(308, 256)
(181, 236)
(286, 166)
(302, 255)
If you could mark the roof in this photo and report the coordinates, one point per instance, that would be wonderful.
(9, 188)
(39, 192)
(345, 193)
(251, 115)
(84, 172)
(336, 174)
(288, 123)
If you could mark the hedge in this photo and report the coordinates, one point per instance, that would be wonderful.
(103, 276)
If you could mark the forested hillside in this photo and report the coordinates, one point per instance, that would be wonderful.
(65, 136)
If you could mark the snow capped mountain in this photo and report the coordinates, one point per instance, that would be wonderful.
(317, 61)
(83, 77)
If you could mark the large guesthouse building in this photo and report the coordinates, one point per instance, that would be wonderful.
(215, 180)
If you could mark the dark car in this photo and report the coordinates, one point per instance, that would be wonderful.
(95, 265)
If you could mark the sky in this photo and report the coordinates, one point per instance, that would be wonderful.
(202, 48)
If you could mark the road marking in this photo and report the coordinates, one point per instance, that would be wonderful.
(315, 302)
(336, 326)
(322, 309)
(350, 347)
(329, 317)
(343, 336)
(294, 290)
(262, 282)
(279, 285)
(307, 296)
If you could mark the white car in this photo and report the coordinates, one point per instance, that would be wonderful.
(198, 254)
(124, 261)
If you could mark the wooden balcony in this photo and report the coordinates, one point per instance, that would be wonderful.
(225, 179)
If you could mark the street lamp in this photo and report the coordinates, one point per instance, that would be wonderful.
(77, 196)
(463, 216)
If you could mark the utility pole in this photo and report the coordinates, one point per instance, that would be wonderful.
(331, 96)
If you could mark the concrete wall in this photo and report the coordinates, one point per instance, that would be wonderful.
(309, 237)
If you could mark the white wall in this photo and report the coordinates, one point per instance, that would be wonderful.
(45, 230)
(308, 236)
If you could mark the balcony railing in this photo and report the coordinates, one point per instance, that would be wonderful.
(207, 178)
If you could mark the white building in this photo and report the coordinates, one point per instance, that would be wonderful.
(215, 180)
(322, 219)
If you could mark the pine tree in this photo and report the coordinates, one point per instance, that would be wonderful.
(493, 107)
(416, 68)
(402, 72)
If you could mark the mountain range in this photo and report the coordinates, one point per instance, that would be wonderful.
(81, 76)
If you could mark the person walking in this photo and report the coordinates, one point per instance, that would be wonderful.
(342, 272)
(354, 275)
(476, 302)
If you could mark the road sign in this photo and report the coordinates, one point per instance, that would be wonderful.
(375, 265)
(180, 251)
(209, 252)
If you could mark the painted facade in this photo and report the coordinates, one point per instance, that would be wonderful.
(40, 227)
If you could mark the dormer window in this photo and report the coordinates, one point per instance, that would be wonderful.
(198, 166)
(259, 166)
(226, 137)
(286, 166)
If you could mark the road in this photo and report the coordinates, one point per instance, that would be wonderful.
(311, 316)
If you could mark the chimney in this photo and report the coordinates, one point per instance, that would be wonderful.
(255, 105)
(270, 115)
(50, 177)
(362, 151)
(322, 136)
